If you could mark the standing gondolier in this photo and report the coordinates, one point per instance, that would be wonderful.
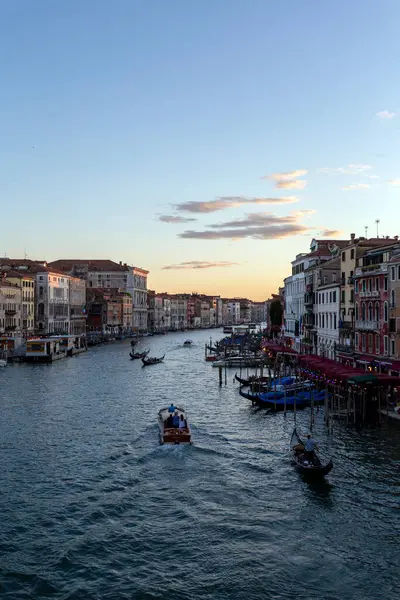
(309, 446)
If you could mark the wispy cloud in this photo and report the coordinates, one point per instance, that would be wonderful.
(330, 233)
(288, 180)
(385, 114)
(225, 202)
(291, 184)
(257, 226)
(175, 219)
(356, 186)
(353, 169)
(286, 176)
(394, 181)
(200, 264)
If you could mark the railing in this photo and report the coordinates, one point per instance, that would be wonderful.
(367, 325)
(345, 348)
(371, 270)
(369, 294)
(10, 311)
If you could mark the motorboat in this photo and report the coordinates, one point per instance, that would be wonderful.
(187, 343)
(170, 434)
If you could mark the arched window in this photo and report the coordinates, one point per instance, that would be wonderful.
(370, 312)
(377, 311)
(363, 311)
(393, 298)
(385, 312)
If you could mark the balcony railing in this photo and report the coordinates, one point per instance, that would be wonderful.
(346, 325)
(10, 311)
(369, 294)
(367, 325)
(345, 348)
(371, 270)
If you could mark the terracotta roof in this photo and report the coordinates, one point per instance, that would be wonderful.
(5, 283)
(33, 266)
(90, 264)
(19, 274)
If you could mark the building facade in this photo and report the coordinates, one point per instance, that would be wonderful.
(10, 307)
(137, 286)
(27, 284)
(77, 306)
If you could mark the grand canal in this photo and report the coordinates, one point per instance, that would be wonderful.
(93, 508)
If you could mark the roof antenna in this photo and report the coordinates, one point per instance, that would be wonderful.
(366, 231)
(377, 221)
(25, 254)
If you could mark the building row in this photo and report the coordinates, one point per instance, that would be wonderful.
(75, 296)
(342, 300)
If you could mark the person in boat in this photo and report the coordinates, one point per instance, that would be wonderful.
(310, 446)
(172, 408)
(175, 419)
(169, 422)
(182, 423)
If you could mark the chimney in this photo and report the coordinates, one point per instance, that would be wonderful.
(396, 237)
(120, 262)
(352, 236)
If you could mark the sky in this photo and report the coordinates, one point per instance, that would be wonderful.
(208, 142)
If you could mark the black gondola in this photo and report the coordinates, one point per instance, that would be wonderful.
(318, 468)
(134, 355)
(152, 360)
(252, 380)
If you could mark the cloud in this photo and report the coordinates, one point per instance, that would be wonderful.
(224, 202)
(385, 114)
(286, 176)
(258, 226)
(200, 264)
(264, 232)
(353, 169)
(394, 181)
(291, 184)
(175, 219)
(372, 176)
(356, 186)
(330, 233)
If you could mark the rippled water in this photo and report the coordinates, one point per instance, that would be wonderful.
(91, 507)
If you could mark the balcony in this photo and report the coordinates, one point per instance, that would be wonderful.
(369, 294)
(345, 348)
(371, 270)
(10, 311)
(367, 325)
(346, 325)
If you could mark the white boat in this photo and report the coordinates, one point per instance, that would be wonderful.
(173, 435)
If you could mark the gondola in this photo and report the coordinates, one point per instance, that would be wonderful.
(277, 401)
(138, 354)
(152, 360)
(251, 380)
(318, 468)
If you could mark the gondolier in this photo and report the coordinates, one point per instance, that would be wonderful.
(309, 446)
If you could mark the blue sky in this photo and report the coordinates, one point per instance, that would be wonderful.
(113, 112)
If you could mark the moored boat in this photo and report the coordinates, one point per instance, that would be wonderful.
(252, 379)
(317, 467)
(170, 434)
(152, 360)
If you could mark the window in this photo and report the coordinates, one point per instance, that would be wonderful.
(393, 299)
(385, 312)
(377, 311)
(377, 344)
(357, 340)
(334, 321)
(352, 254)
(334, 296)
(356, 286)
(370, 317)
(385, 283)
(363, 341)
(370, 343)
(363, 285)
(386, 344)
(363, 311)
(392, 347)
(377, 284)
(398, 272)
(370, 285)
(356, 311)
(343, 296)
(343, 258)
(392, 273)
(330, 297)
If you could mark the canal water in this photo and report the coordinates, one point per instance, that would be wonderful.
(93, 508)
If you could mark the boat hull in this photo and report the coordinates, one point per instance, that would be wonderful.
(173, 435)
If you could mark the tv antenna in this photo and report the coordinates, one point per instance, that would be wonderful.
(377, 221)
(366, 231)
